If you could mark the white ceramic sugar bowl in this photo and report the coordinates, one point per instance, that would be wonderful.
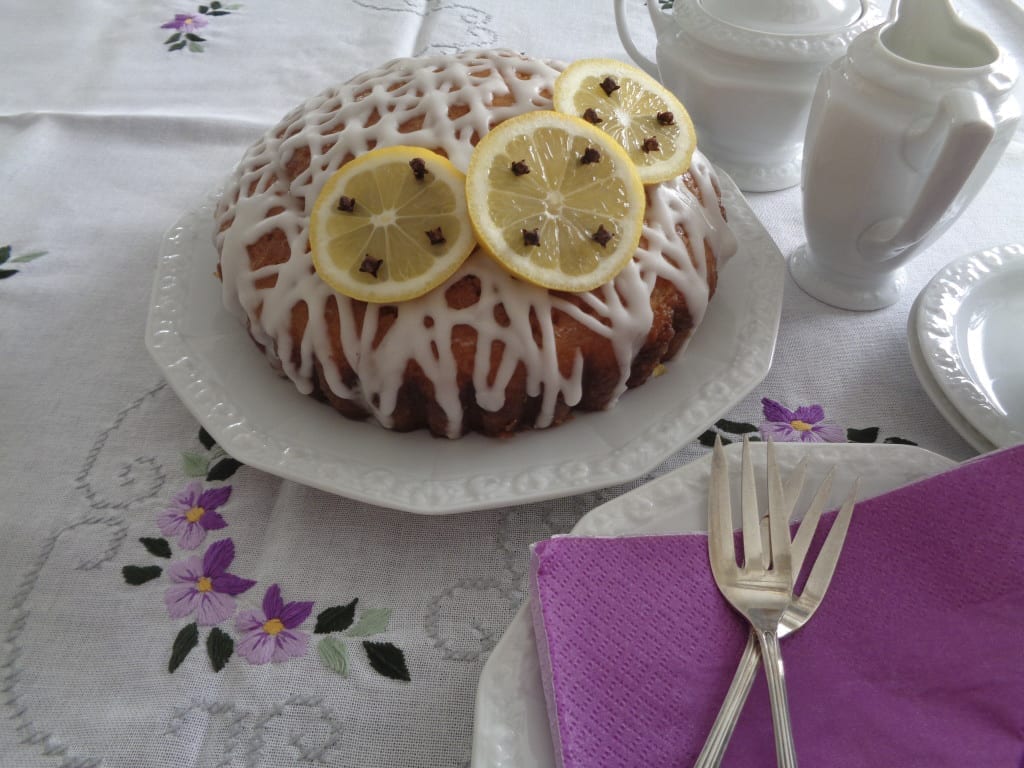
(746, 71)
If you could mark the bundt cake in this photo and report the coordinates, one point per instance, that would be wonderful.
(484, 352)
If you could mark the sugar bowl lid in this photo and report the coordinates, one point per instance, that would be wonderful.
(802, 31)
(786, 17)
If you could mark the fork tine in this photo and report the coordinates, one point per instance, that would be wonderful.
(804, 534)
(752, 544)
(794, 484)
(792, 487)
(778, 517)
(825, 565)
(766, 535)
(721, 548)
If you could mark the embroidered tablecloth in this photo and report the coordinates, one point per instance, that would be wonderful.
(165, 605)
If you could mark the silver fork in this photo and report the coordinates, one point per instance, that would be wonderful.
(800, 608)
(760, 593)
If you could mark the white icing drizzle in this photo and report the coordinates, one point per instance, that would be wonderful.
(369, 111)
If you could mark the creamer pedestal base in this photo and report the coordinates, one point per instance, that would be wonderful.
(845, 291)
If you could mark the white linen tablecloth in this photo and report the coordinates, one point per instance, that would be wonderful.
(108, 133)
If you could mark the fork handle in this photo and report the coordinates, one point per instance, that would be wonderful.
(729, 713)
(785, 753)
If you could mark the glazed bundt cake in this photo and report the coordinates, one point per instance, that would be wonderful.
(484, 352)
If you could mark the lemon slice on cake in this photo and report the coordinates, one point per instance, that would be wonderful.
(555, 200)
(639, 112)
(391, 225)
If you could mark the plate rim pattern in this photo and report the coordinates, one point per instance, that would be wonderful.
(939, 304)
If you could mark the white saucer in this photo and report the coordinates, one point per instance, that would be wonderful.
(511, 727)
(970, 322)
(931, 387)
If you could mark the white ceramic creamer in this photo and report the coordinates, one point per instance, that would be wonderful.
(903, 132)
(746, 71)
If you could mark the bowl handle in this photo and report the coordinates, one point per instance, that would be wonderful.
(659, 18)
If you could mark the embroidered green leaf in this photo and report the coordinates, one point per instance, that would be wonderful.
(898, 441)
(206, 439)
(195, 47)
(218, 13)
(336, 619)
(187, 639)
(27, 257)
(372, 621)
(735, 427)
(5, 253)
(707, 438)
(224, 469)
(194, 37)
(204, 8)
(868, 435)
(140, 574)
(194, 464)
(5, 273)
(177, 46)
(387, 659)
(173, 38)
(334, 655)
(158, 547)
(219, 647)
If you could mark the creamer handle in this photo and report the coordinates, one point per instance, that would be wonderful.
(658, 17)
(968, 127)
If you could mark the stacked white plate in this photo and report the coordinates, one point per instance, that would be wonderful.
(966, 338)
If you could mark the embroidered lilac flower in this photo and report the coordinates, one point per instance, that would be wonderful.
(185, 22)
(192, 513)
(270, 634)
(804, 425)
(203, 585)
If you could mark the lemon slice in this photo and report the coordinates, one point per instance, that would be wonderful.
(639, 112)
(555, 200)
(391, 225)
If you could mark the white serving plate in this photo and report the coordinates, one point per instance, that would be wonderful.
(970, 327)
(261, 419)
(511, 728)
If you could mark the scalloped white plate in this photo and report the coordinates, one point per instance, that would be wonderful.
(931, 387)
(511, 727)
(261, 419)
(970, 320)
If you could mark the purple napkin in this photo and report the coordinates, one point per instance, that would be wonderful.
(915, 658)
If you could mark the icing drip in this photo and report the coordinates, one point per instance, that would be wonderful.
(442, 103)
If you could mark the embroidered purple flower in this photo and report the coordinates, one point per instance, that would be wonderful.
(203, 585)
(804, 425)
(185, 22)
(270, 634)
(192, 513)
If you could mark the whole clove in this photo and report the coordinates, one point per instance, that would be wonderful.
(602, 236)
(609, 86)
(370, 265)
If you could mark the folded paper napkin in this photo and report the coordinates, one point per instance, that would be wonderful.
(915, 658)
